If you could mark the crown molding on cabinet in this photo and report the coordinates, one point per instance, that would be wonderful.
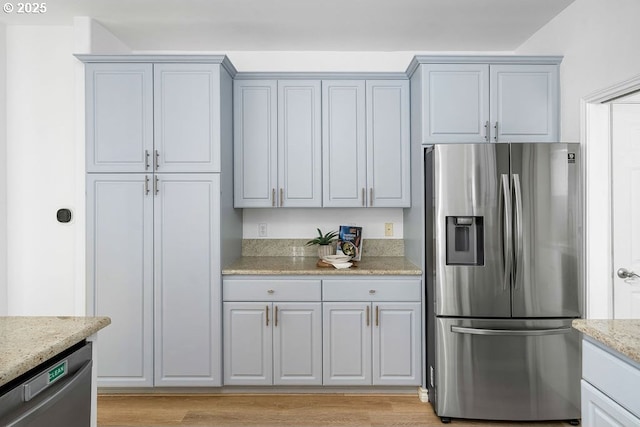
(321, 75)
(176, 59)
(480, 59)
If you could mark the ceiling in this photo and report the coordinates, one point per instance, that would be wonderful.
(308, 25)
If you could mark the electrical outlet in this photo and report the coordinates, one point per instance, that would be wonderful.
(388, 229)
(262, 229)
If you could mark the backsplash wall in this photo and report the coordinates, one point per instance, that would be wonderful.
(291, 223)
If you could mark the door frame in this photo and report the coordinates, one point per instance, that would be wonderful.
(597, 144)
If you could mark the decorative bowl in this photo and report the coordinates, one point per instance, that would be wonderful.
(333, 259)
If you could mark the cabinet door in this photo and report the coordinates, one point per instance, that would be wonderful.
(255, 143)
(187, 117)
(344, 158)
(119, 117)
(598, 410)
(187, 280)
(524, 103)
(297, 344)
(247, 343)
(299, 144)
(388, 169)
(396, 344)
(120, 276)
(346, 330)
(456, 103)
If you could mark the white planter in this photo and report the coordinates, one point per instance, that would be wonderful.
(324, 250)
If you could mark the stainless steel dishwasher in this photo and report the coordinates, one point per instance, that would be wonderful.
(55, 394)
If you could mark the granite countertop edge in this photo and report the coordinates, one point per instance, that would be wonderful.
(621, 335)
(306, 266)
(33, 340)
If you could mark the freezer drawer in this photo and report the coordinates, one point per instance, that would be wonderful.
(507, 369)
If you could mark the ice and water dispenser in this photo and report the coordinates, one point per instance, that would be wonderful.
(465, 240)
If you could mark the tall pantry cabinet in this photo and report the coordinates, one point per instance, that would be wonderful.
(159, 206)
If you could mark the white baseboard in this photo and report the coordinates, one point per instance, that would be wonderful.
(423, 394)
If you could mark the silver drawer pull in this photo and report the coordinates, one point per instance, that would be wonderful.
(271, 291)
(372, 291)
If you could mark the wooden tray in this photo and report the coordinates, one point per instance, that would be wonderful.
(323, 264)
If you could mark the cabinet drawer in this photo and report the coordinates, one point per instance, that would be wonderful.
(271, 290)
(613, 376)
(371, 290)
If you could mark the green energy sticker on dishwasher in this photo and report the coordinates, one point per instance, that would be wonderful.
(57, 371)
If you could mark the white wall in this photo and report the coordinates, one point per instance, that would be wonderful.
(3, 171)
(599, 41)
(41, 172)
(302, 223)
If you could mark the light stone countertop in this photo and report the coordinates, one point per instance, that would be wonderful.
(26, 342)
(620, 335)
(280, 266)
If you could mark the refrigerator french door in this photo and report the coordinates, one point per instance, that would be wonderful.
(503, 280)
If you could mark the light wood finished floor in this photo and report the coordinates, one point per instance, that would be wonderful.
(271, 410)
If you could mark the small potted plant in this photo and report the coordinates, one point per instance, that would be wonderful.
(325, 243)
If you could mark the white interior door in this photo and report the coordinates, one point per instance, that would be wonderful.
(626, 209)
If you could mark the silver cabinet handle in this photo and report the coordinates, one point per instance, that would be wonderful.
(157, 159)
(372, 291)
(486, 131)
(156, 185)
(509, 332)
(371, 196)
(273, 197)
(281, 197)
(275, 318)
(146, 185)
(368, 316)
(377, 316)
(623, 273)
(364, 196)
(495, 135)
(146, 159)
(270, 291)
(267, 316)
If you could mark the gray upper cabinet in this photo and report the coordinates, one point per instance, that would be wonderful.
(344, 143)
(145, 117)
(524, 103)
(366, 143)
(187, 117)
(277, 143)
(388, 143)
(299, 143)
(456, 102)
(187, 280)
(474, 103)
(119, 114)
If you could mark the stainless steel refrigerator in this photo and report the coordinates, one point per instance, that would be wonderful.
(503, 278)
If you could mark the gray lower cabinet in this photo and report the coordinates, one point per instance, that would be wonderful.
(372, 343)
(153, 267)
(609, 387)
(299, 331)
(272, 332)
(120, 275)
(372, 332)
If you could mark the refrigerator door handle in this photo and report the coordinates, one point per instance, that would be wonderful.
(517, 266)
(507, 231)
(509, 332)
